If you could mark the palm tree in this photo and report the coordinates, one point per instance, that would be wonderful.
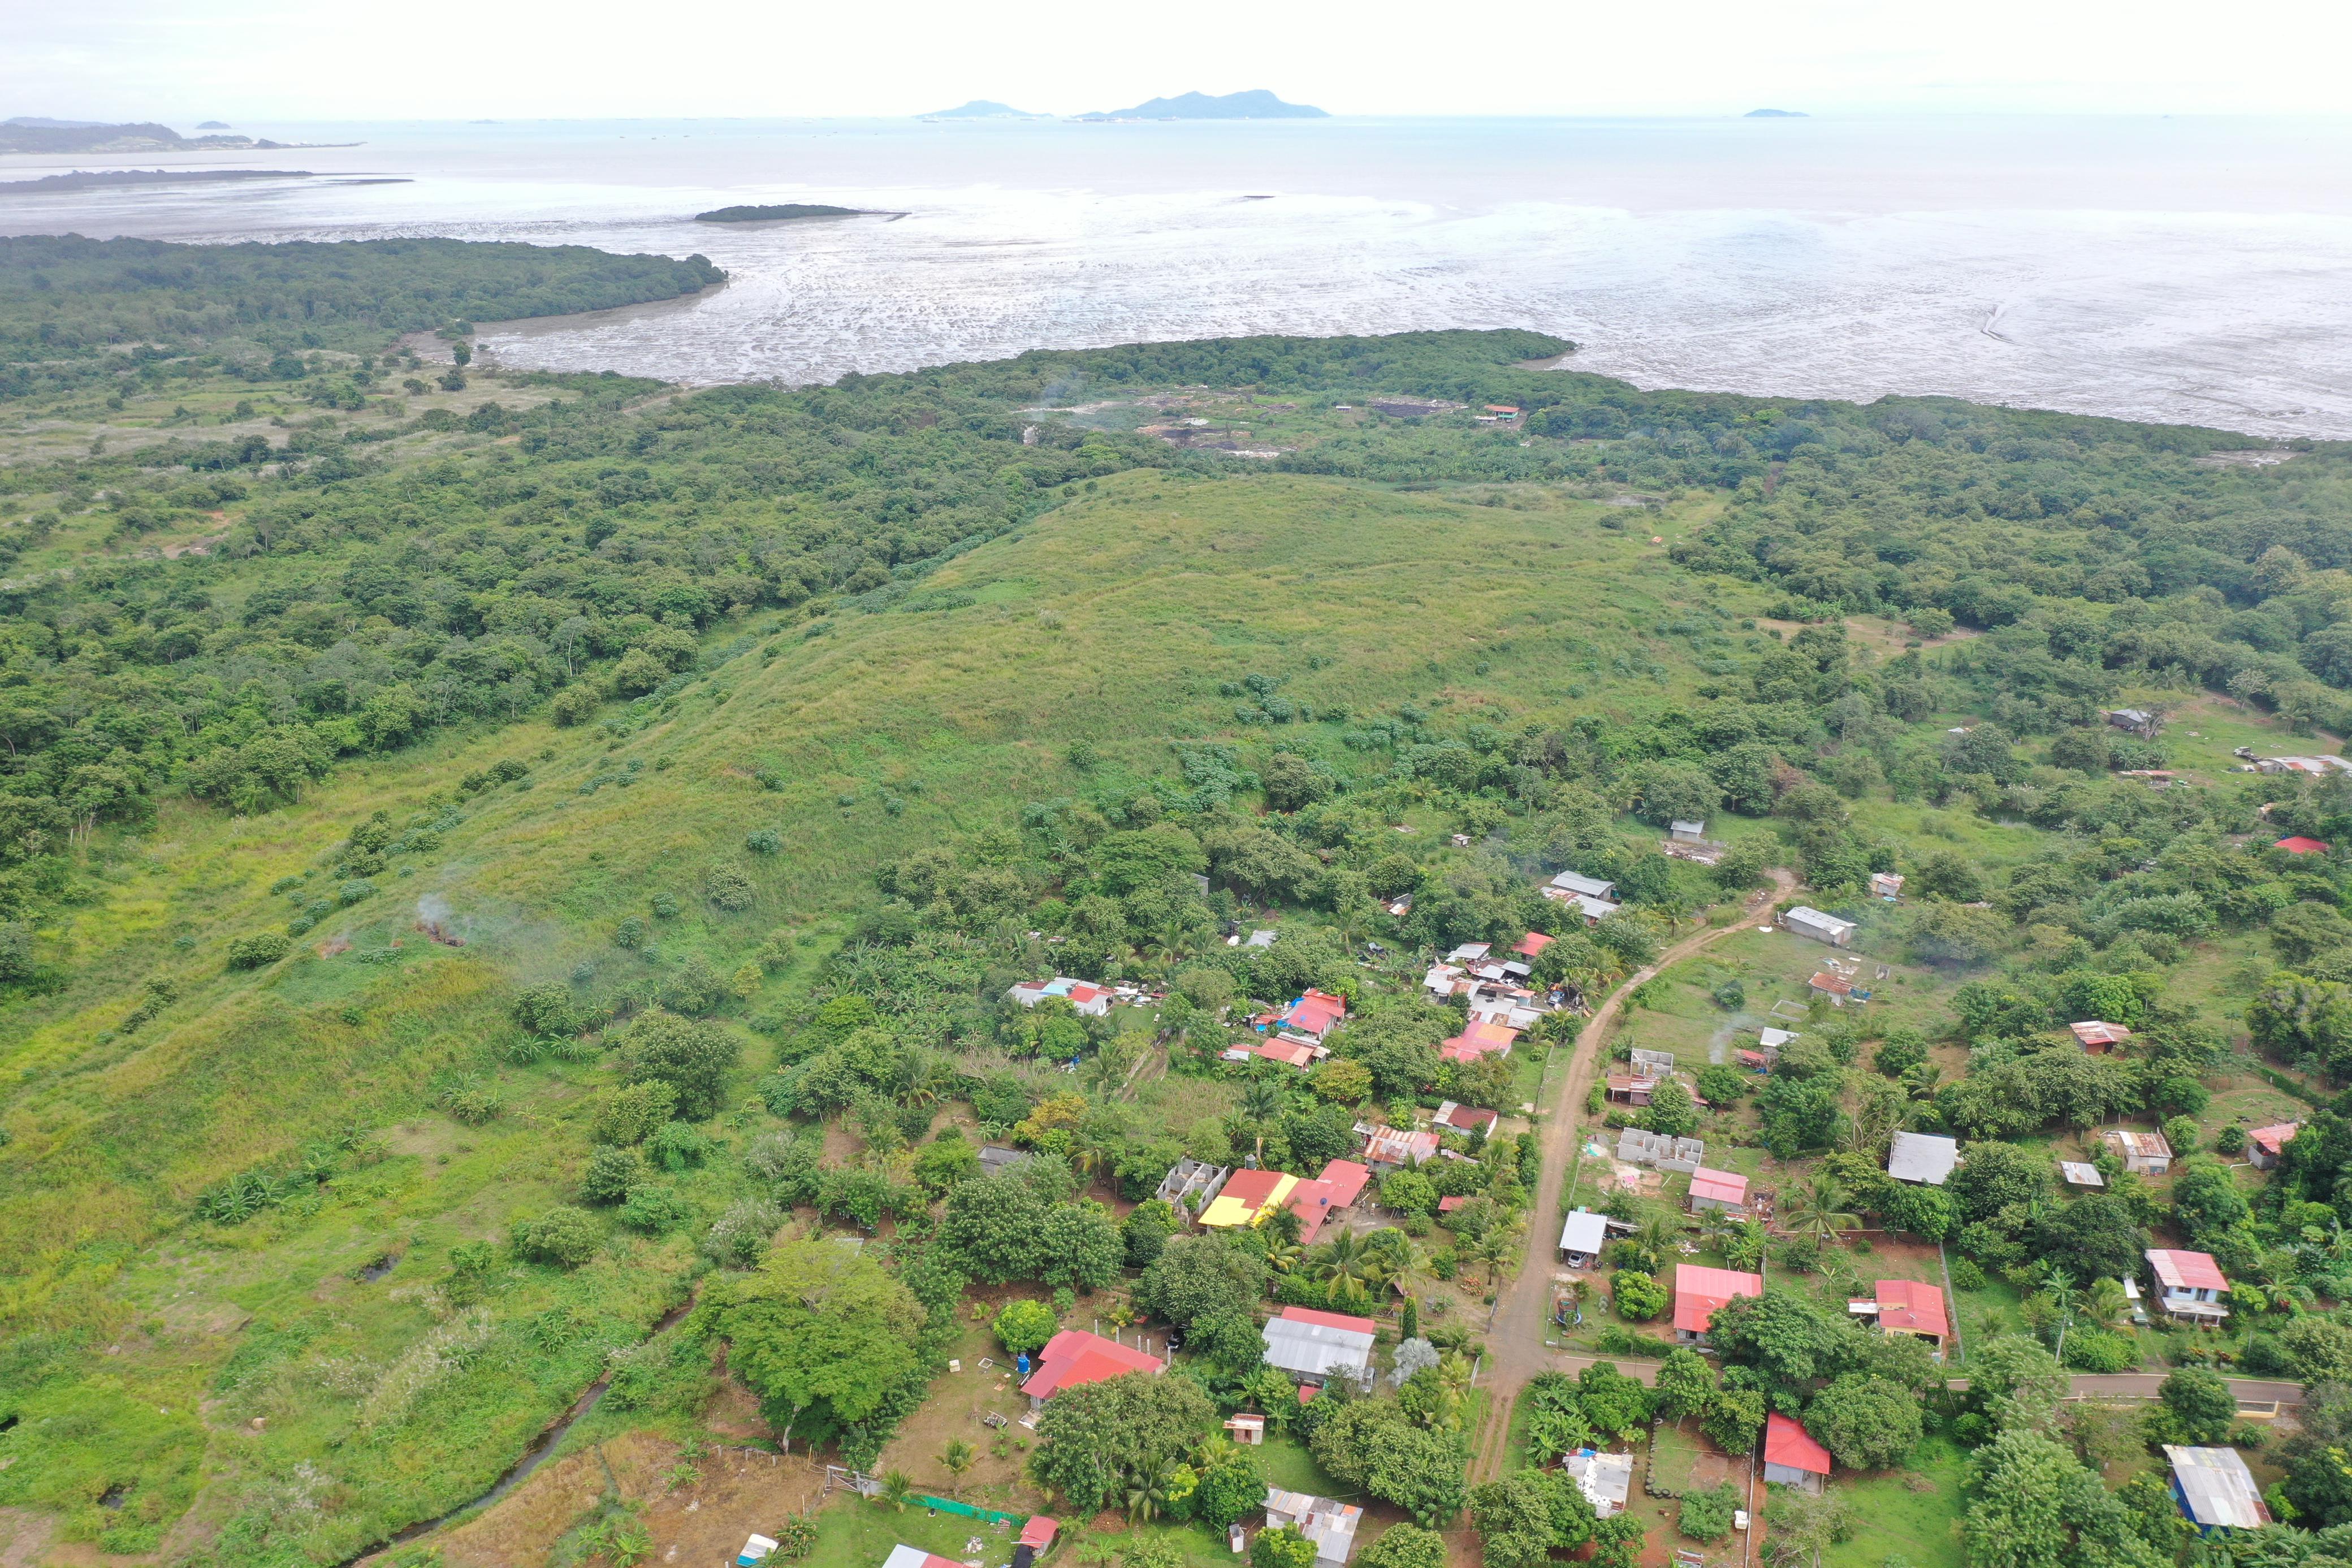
(2065, 1299)
(1264, 1099)
(1146, 1491)
(1817, 1208)
(957, 1459)
(2105, 1306)
(1399, 1260)
(1345, 1266)
(897, 1485)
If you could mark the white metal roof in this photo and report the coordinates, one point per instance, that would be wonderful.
(1806, 913)
(2216, 1488)
(2081, 1174)
(1317, 1349)
(1591, 886)
(1922, 1157)
(1773, 1038)
(1585, 1231)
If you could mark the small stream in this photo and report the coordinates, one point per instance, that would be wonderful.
(532, 1457)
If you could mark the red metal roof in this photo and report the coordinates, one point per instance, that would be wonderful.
(1788, 1443)
(1698, 1290)
(1477, 1041)
(1346, 1179)
(1039, 1531)
(1448, 1205)
(1835, 985)
(1533, 942)
(1720, 1185)
(1253, 1189)
(2299, 845)
(2274, 1138)
(1075, 1356)
(1330, 1320)
(2187, 1271)
(1315, 1013)
(2098, 1031)
(1311, 1201)
(1912, 1306)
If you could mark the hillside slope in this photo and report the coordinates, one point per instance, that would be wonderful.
(1110, 622)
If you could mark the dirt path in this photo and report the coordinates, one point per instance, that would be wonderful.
(1515, 1330)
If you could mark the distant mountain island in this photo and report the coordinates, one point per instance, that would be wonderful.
(1255, 104)
(212, 125)
(37, 133)
(1776, 114)
(105, 179)
(776, 213)
(983, 109)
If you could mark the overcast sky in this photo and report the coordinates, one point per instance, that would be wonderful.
(257, 60)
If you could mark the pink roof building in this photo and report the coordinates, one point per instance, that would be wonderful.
(1908, 1306)
(1789, 1449)
(1314, 1014)
(2097, 1035)
(1699, 1290)
(2298, 845)
(1484, 1038)
(2266, 1144)
(1346, 1179)
(1718, 1189)
(1532, 943)
(1074, 1357)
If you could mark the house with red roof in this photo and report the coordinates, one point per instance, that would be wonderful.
(1464, 1118)
(1289, 1052)
(1315, 1015)
(1532, 944)
(2297, 844)
(1395, 1147)
(1717, 1189)
(1314, 1202)
(1036, 1536)
(1905, 1306)
(2265, 1144)
(1699, 1290)
(1074, 1357)
(1791, 1458)
(1482, 1038)
(1090, 999)
(2189, 1285)
(2098, 1037)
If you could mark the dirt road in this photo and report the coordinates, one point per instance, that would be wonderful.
(1515, 1330)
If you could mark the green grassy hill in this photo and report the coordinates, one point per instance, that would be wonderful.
(1107, 622)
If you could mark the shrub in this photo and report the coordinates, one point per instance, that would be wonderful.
(630, 932)
(1966, 1275)
(2097, 1350)
(1024, 1326)
(573, 705)
(2231, 1140)
(251, 952)
(677, 1146)
(726, 885)
(473, 1101)
(656, 1210)
(1640, 1297)
(352, 891)
(1706, 1515)
(740, 1235)
(564, 1237)
(610, 1173)
(2183, 1133)
(547, 1009)
(629, 1116)
(763, 840)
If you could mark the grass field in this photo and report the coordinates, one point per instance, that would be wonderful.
(1913, 1512)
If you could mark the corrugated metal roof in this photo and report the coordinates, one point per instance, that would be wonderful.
(1922, 1157)
(2216, 1488)
(1317, 1349)
(1788, 1443)
(1584, 1231)
(2178, 1271)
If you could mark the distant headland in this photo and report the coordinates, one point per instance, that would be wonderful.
(1776, 114)
(1255, 104)
(37, 133)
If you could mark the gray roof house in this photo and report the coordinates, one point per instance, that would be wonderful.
(1316, 1345)
(1807, 921)
(1606, 1479)
(1585, 886)
(1922, 1157)
(2215, 1490)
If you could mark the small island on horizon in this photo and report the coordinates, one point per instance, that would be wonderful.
(1776, 114)
(983, 109)
(1256, 103)
(779, 212)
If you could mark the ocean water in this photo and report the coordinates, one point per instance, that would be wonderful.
(2193, 269)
